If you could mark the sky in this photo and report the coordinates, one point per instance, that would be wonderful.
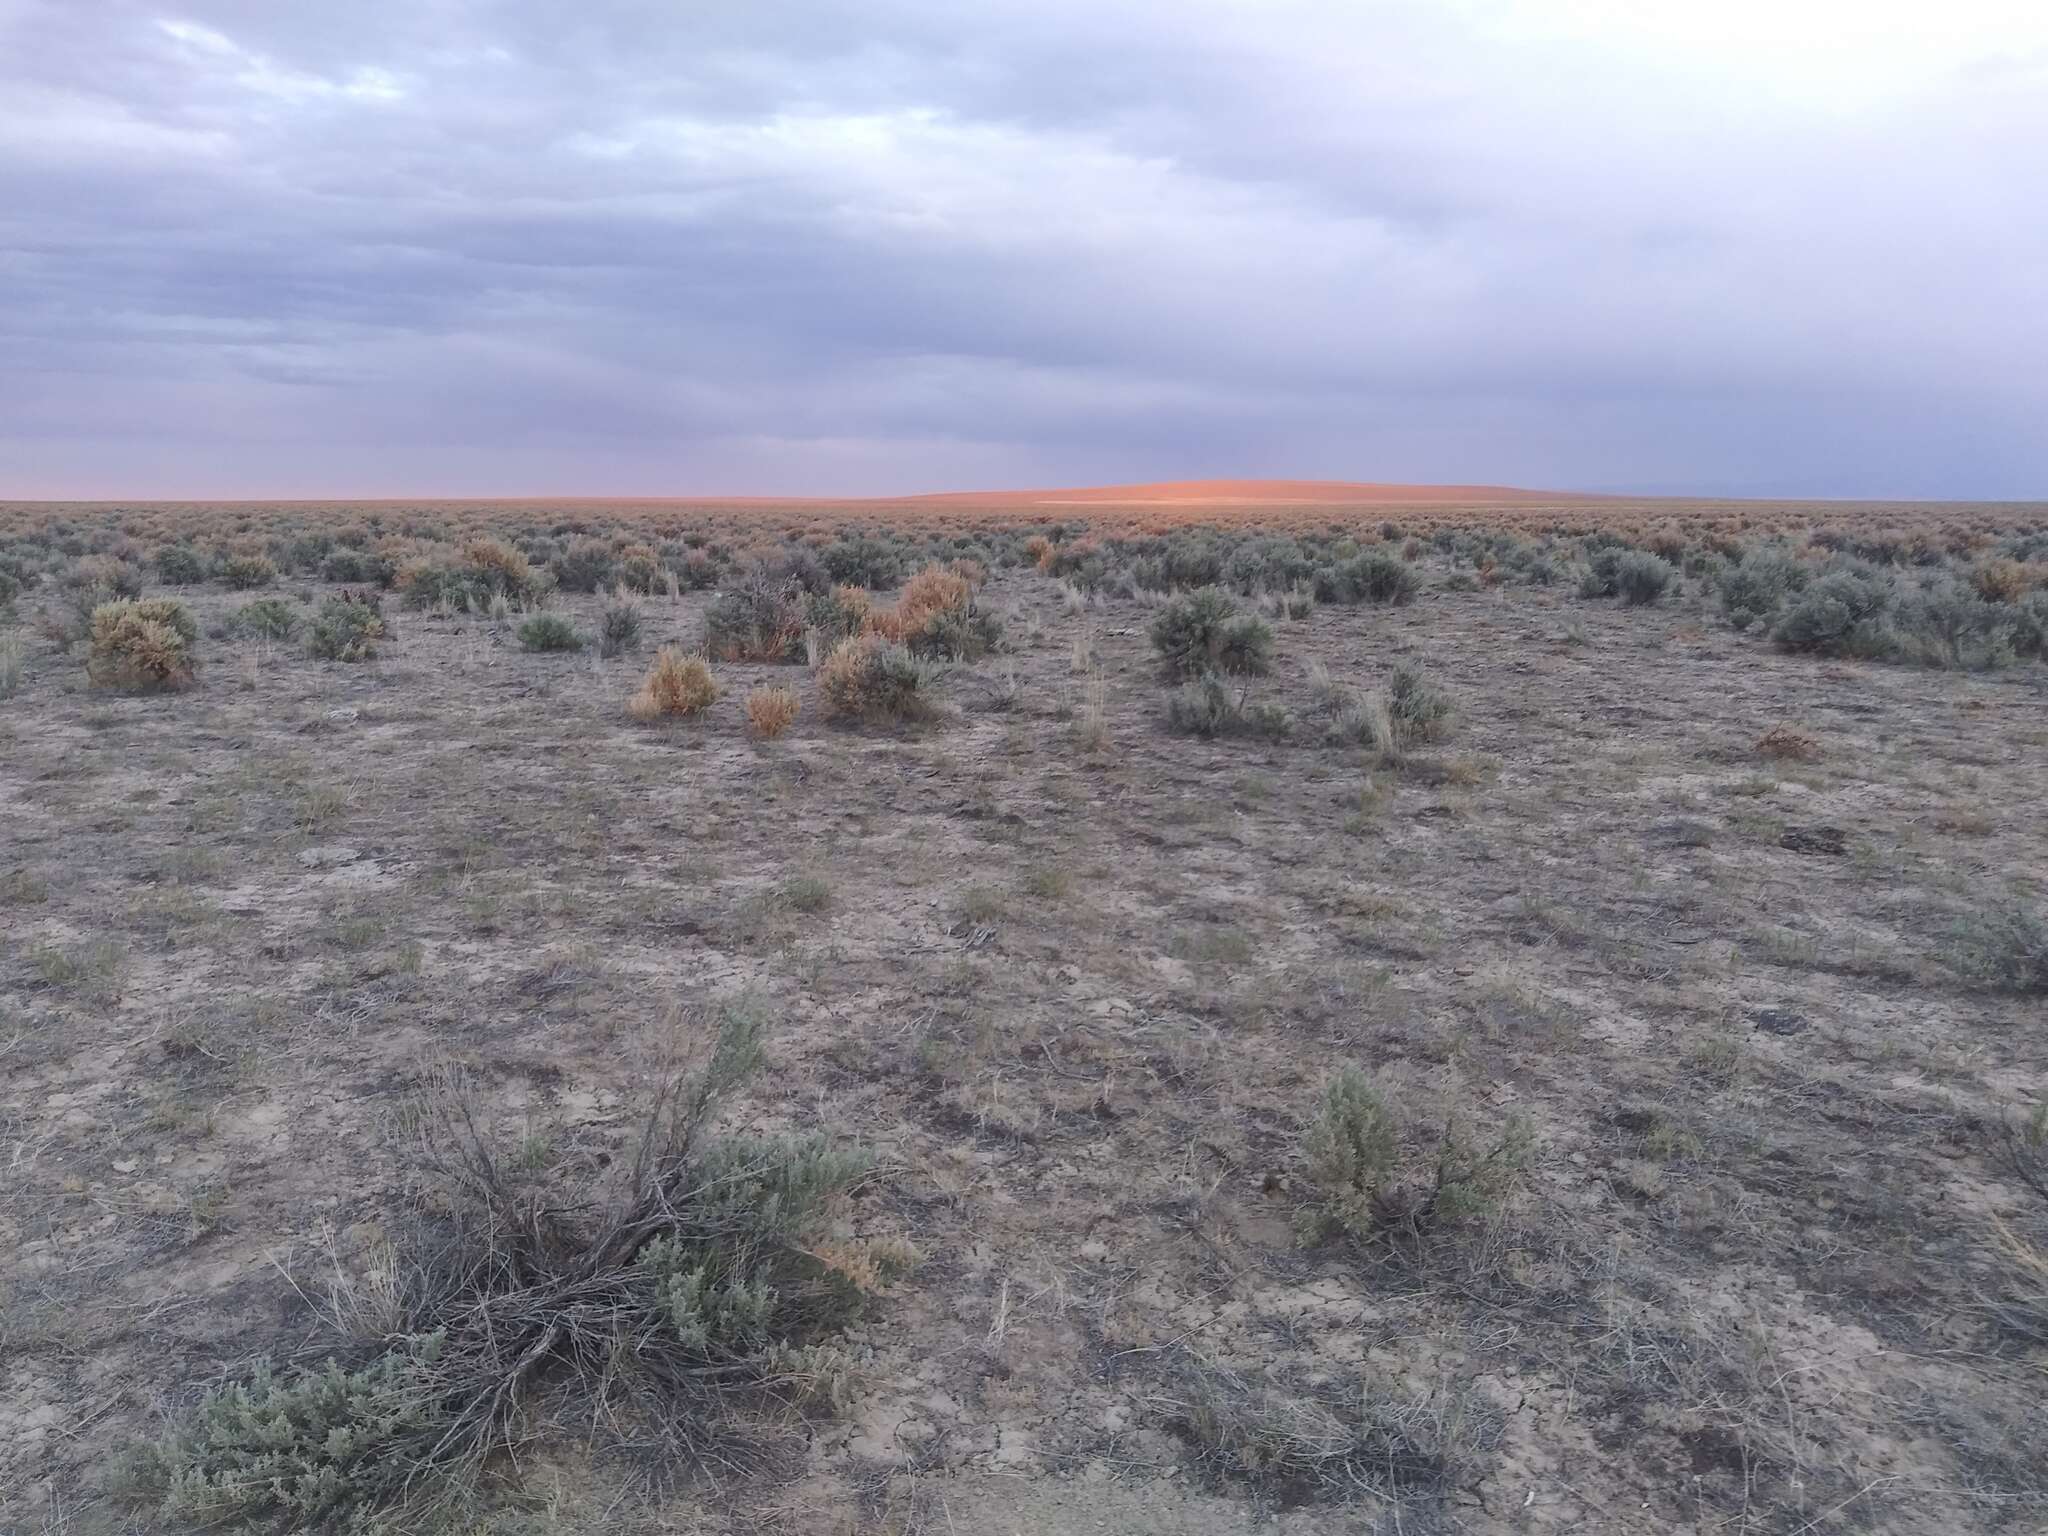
(660, 247)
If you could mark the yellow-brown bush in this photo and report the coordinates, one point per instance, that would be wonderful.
(676, 686)
(872, 678)
(141, 643)
(2006, 581)
(771, 711)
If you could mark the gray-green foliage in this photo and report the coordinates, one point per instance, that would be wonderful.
(1201, 632)
(705, 1267)
(271, 618)
(2005, 948)
(1755, 587)
(549, 632)
(1362, 1186)
(1208, 707)
(1353, 1151)
(618, 629)
(1417, 706)
(347, 629)
(311, 1448)
(1641, 577)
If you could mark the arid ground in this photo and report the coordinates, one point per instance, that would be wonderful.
(1079, 984)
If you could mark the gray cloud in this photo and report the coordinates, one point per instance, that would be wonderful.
(495, 246)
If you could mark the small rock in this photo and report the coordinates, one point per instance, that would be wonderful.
(327, 857)
(1778, 1021)
(126, 1164)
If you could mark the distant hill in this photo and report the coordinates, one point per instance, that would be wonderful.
(1258, 492)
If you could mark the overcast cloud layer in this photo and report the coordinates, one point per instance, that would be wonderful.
(661, 247)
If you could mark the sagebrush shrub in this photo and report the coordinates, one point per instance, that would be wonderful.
(2004, 948)
(585, 566)
(771, 711)
(707, 1271)
(759, 619)
(1206, 707)
(1841, 613)
(347, 628)
(180, 565)
(1201, 632)
(1372, 577)
(871, 678)
(1353, 1150)
(270, 618)
(549, 632)
(141, 643)
(676, 687)
(244, 573)
(1754, 588)
(618, 629)
(1641, 578)
(1360, 1186)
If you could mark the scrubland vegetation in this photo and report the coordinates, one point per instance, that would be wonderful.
(523, 1019)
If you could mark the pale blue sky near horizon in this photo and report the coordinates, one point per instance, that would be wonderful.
(503, 247)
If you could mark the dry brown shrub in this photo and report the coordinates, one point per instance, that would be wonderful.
(676, 686)
(496, 555)
(973, 572)
(2007, 581)
(771, 711)
(144, 643)
(1784, 744)
(1038, 550)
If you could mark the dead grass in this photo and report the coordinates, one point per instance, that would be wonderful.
(676, 687)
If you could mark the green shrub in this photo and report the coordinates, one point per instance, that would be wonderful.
(1641, 578)
(2005, 949)
(1841, 613)
(549, 632)
(1753, 589)
(586, 566)
(271, 618)
(357, 567)
(141, 643)
(618, 629)
(1206, 707)
(708, 1273)
(180, 565)
(1948, 625)
(1356, 1169)
(1201, 632)
(245, 573)
(347, 629)
(861, 561)
(97, 579)
(1354, 1151)
(1372, 577)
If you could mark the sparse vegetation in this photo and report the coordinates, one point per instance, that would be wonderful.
(711, 1268)
(1208, 707)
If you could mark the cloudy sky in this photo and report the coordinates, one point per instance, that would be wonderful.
(252, 248)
